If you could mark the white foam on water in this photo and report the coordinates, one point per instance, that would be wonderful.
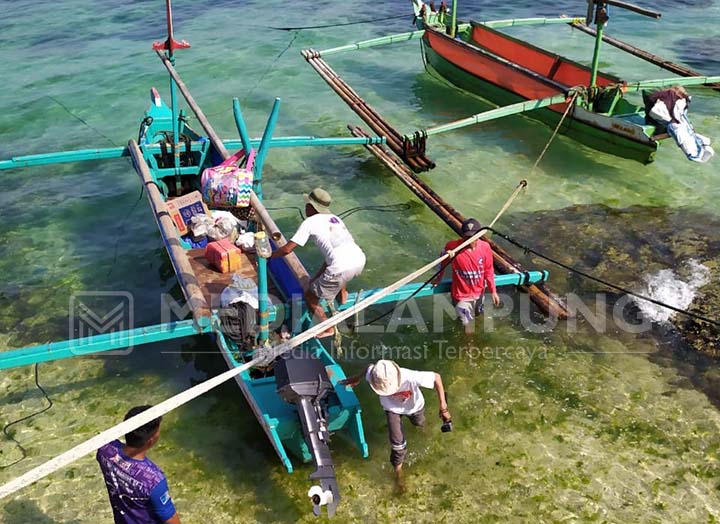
(667, 287)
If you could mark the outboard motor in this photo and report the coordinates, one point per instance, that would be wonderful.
(302, 380)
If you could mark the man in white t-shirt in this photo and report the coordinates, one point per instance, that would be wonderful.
(400, 395)
(344, 260)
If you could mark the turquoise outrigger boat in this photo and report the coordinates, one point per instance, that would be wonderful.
(169, 156)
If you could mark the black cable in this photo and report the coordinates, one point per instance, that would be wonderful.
(7, 426)
(120, 227)
(270, 67)
(403, 206)
(605, 282)
(67, 109)
(302, 216)
(384, 209)
(442, 268)
(325, 26)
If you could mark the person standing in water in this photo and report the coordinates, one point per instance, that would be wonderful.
(400, 396)
(472, 269)
(137, 488)
(344, 260)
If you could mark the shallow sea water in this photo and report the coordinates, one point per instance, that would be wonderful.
(557, 425)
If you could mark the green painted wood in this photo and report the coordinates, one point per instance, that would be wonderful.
(667, 82)
(365, 44)
(241, 127)
(493, 114)
(64, 156)
(596, 56)
(263, 302)
(453, 19)
(262, 150)
(406, 291)
(80, 155)
(514, 22)
(120, 340)
(593, 137)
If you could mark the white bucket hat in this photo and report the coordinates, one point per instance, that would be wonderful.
(384, 377)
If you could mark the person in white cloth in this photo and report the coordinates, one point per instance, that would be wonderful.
(344, 260)
(400, 395)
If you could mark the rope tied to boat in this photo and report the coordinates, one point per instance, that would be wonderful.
(451, 253)
(575, 93)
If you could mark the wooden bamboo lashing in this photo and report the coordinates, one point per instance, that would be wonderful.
(417, 161)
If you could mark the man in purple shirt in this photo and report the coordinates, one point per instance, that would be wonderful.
(137, 488)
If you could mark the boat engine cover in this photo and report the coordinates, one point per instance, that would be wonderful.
(301, 374)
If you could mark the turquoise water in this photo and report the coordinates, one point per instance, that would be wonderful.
(563, 425)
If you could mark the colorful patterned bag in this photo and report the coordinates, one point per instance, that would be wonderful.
(227, 185)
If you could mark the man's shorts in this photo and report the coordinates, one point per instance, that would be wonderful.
(467, 309)
(328, 285)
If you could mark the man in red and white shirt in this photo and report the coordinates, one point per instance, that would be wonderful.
(472, 269)
(400, 395)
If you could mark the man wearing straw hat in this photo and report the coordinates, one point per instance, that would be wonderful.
(472, 269)
(344, 260)
(400, 395)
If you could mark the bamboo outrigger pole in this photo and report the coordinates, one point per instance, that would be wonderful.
(666, 82)
(546, 300)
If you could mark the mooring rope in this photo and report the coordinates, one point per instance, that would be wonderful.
(265, 355)
(528, 249)
(555, 131)
(327, 26)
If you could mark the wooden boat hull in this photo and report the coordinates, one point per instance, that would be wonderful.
(503, 82)
(278, 418)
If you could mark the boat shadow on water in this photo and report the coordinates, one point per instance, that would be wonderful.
(226, 442)
(24, 511)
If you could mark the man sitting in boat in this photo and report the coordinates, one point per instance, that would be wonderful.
(472, 268)
(669, 107)
(400, 395)
(137, 488)
(344, 260)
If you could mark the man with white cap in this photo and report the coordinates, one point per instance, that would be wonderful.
(344, 260)
(400, 395)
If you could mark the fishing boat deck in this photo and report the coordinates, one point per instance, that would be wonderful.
(212, 282)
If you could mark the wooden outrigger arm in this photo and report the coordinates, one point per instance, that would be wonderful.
(493, 114)
(119, 340)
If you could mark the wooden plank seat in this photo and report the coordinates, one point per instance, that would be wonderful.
(212, 282)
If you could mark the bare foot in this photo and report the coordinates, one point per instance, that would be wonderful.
(342, 296)
(325, 334)
(399, 480)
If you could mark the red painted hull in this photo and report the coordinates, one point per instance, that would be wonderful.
(513, 65)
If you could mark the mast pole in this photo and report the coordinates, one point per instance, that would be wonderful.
(453, 19)
(169, 47)
(601, 18)
(173, 95)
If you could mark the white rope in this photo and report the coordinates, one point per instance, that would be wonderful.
(186, 396)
